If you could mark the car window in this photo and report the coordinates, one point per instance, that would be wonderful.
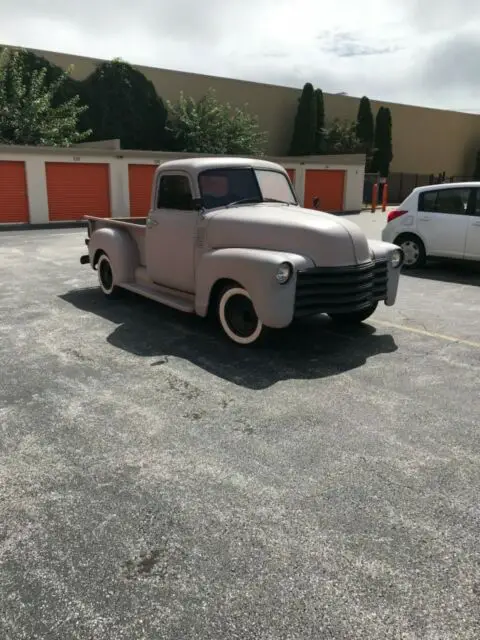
(174, 193)
(453, 201)
(220, 187)
(275, 185)
(476, 208)
(426, 201)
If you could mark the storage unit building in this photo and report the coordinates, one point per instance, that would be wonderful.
(42, 185)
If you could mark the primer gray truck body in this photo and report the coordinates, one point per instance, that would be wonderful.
(268, 259)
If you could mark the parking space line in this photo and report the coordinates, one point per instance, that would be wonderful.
(429, 334)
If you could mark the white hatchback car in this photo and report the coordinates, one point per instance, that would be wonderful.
(441, 220)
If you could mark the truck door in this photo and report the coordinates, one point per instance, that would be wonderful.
(170, 233)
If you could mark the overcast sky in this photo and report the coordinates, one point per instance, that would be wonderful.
(411, 51)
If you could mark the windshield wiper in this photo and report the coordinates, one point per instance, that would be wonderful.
(255, 201)
(245, 201)
(275, 200)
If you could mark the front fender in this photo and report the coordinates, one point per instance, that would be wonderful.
(382, 251)
(255, 271)
(120, 249)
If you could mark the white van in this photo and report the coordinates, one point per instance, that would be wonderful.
(441, 220)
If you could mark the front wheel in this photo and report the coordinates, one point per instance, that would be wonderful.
(356, 317)
(238, 318)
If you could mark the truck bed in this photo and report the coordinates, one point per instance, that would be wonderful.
(135, 227)
(95, 222)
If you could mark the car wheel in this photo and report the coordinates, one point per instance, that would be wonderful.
(105, 277)
(354, 318)
(413, 250)
(238, 318)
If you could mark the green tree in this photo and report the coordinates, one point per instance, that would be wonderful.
(31, 112)
(341, 137)
(383, 152)
(209, 126)
(320, 143)
(123, 104)
(365, 129)
(305, 125)
(69, 87)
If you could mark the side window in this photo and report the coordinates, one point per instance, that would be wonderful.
(426, 201)
(174, 193)
(476, 208)
(452, 201)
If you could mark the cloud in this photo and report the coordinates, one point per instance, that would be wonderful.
(346, 45)
(408, 51)
(453, 64)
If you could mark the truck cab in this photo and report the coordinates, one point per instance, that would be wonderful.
(228, 236)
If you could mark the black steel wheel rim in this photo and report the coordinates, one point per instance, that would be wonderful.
(240, 316)
(106, 274)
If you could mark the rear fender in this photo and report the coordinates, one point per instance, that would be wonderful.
(255, 271)
(120, 249)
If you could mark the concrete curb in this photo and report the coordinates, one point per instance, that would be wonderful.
(46, 225)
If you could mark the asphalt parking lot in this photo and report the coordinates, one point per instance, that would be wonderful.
(156, 482)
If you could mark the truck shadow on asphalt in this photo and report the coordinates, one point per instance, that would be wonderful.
(310, 349)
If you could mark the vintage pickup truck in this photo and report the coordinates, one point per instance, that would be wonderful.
(227, 236)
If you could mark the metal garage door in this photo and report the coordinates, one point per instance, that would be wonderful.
(140, 177)
(326, 185)
(13, 192)
(75, 190)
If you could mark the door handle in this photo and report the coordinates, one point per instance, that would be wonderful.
(425, 219)
(476, 224)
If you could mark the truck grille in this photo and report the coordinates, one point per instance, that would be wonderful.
(340, 289)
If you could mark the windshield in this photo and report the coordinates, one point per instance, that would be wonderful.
(232, 186)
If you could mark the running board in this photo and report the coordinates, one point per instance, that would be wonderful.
(180, 302)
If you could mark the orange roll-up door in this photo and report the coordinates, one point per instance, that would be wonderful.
(140, 178)
(327, 185)
(13, 192)
(77, 189)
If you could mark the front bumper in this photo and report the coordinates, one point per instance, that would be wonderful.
(340, 289)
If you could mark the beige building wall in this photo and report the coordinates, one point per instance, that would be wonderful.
(424, 140)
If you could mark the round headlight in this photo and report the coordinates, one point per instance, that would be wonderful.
(396, 258)
(284, 273)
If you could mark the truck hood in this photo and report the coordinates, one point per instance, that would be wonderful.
(326, 239)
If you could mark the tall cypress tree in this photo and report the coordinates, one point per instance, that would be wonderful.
(303, 139)
(320, 142)
(364, 128)
(383, 153)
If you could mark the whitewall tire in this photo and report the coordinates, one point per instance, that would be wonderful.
(238, 318)
(105, 277)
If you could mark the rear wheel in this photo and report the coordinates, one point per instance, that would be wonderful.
(105, 277)
(356, 317)
(413, 250)
(238, 318)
